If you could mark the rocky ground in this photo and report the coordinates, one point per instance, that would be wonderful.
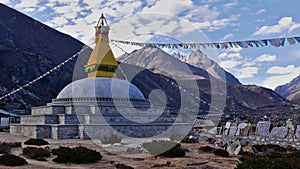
(193, 158)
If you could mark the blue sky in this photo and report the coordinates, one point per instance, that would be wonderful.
(188, 21)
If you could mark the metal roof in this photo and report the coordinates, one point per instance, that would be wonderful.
(7, 113)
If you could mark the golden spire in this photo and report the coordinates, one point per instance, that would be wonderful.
(102, 62)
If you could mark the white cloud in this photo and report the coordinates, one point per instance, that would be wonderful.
(169, 6)
(41, 9)
(281, 75)
(294, 26)
(274, 81)
(5, 1)
(227, 36)
(236, 50)
(283, 70)
(266, 58)
(247, 72)
(230, 4)
(27, 4)
(229, 64)
(223, 55)
(230, 56)
(209, 1)
(222, 23)
(284, 24)
(28, 10)
(244, 9)
(260, 11)
(59, 21)
(202, 13)
(260, 20)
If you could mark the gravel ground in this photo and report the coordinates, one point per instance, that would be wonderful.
(193, 158)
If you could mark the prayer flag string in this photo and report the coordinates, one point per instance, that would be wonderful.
(276, 42)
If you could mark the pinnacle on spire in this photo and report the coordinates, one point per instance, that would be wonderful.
(101, 22)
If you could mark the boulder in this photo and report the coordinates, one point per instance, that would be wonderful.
(280, 132)
(234, 148)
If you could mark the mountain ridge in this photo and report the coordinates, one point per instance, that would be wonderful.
(238, 96)
(28, 49)
(199, 59)
(290, 90)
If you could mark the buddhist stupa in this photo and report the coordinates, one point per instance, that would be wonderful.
(98, 105)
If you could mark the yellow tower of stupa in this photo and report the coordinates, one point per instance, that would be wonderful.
(102, 62)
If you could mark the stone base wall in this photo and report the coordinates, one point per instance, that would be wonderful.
(97, 131)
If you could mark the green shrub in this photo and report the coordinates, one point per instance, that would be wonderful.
(295, 154)
(111, 139)
(172, 149)
(4, 149)
(37, 142)
(211, 140)
(221, 152)
(77, 155)
(36, 153)
(255, 162)
(206, 149)
(6, 146)
(123, 166)
(12, 160)
(269, 161)
(11, 144)
(271, 150)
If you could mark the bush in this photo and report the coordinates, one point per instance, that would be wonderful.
(12, 160)
(272, 150)
(123, 166)
(206, 149)
(211, 140)
(111, 139)
(12, 144)
(36, 153)
(190, 139)
(250, 160)
(77, 155)
(268, 163)
(6, 146)
(173, 149)
(4, 149)
(221, 152)
(37, 142)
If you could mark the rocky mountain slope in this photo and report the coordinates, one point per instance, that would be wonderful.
(238, 97)
(291, 90)
(200, 60)
(28, 49)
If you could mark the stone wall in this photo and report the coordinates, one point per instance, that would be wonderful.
(41, 110)
(43, 131)
(68, 132)
(39, 119)
(100, 131)
(24, 130)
